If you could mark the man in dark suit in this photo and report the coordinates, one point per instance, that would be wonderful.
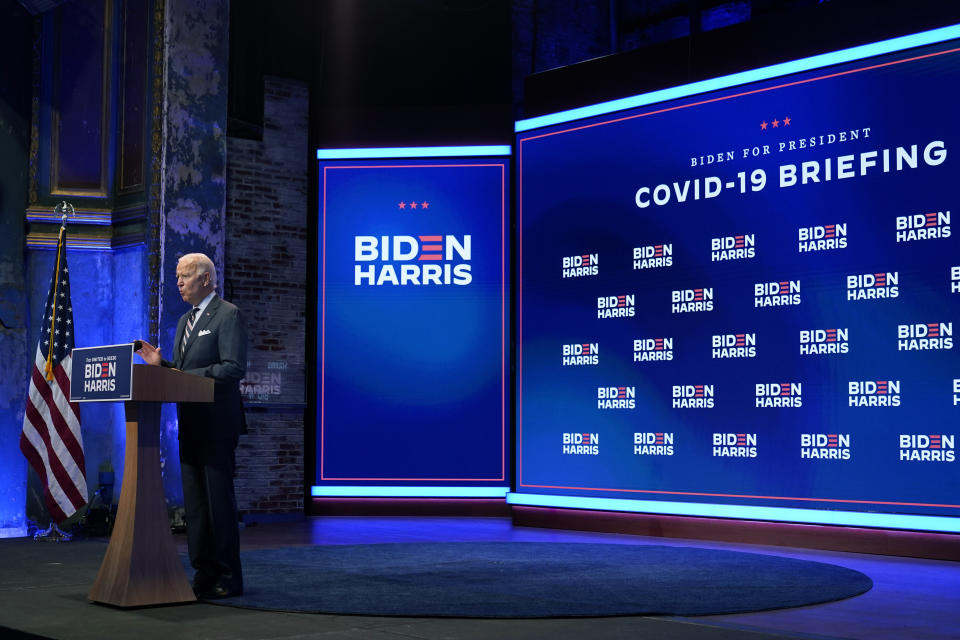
(211, 341)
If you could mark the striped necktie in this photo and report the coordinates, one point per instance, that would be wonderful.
(189, 328)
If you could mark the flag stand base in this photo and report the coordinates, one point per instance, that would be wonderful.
(53, 534)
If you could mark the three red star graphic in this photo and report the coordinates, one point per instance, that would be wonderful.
(413, 204)
(776, 123)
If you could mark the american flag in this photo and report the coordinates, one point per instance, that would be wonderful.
(51, 438)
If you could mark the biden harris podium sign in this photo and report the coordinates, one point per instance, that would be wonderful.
(743, 293)
(412, 319)
(102, 373)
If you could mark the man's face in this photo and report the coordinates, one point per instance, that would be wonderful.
(193, 286)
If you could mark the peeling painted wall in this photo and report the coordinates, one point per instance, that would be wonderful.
(193, 173)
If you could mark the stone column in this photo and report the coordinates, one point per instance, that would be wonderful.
(192, 169)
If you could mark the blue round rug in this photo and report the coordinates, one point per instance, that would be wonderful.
(533, 580)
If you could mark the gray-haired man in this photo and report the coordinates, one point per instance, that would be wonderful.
(211, 341)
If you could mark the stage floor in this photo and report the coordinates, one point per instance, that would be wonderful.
(916, 599)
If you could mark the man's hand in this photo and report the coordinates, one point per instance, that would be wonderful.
(149, 353)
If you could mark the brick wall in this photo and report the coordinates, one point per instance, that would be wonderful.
(266, 276)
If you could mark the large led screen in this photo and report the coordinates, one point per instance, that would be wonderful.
(748, 296)
(412, 330)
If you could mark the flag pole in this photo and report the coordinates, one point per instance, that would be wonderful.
(48, 370)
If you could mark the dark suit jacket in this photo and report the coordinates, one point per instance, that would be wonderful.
(217, 349)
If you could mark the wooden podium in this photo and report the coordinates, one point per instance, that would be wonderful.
(141, 567)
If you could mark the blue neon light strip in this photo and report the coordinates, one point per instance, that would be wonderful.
(753, 75)
(414, 152)
(778, 514)
(408, 492)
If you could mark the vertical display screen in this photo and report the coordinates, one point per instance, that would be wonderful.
(413, 321)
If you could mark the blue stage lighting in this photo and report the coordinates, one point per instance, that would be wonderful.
(414, 152)
(408, 492)
(775, 514)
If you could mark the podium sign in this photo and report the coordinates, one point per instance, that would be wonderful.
(102, 374)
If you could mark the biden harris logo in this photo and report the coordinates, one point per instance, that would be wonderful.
(873, 286)
(621, 306)
(616, 397)
(779, 395)
(100, 376)
(734, 345)
(653, 256)
(412, 260)
(824, 341)
(734, 445)
(693, 396)
(822, 238)
(873, 393)
(580, 354)
(581, 444)
(691, 300)
(782, 293)
(587, 264)
(923, 226)
(652, 349)
(825, 446)
(932, 447)
(733, 248)
(925, 336)
(659, 443)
